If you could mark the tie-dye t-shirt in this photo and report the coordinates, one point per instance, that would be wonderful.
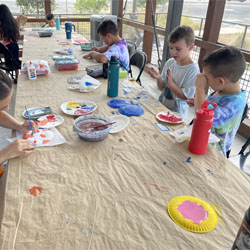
(227, 118)
(120, 51)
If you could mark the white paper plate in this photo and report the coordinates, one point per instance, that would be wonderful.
(169, 121)
(59, 120)
(89, 104)
(122, 122)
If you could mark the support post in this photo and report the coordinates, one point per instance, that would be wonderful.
(47, 6)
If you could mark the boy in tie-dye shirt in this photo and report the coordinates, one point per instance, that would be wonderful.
(222, 70)
(115, 46)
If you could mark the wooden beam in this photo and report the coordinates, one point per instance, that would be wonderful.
(119, 16)
(148, 36)
(47, 6)
(213, 24)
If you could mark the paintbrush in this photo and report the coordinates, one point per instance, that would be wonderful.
(100, 126)
(27, 113)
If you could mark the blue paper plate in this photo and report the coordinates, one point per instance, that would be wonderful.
(117, 103)
(131, 110)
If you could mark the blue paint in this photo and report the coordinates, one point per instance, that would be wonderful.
(164, 163)
(89, 230)
(188, 160)
(117, 103)
(88, 83)
(131, 110)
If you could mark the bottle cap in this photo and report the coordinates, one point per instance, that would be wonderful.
(205, 112)
(113, 58)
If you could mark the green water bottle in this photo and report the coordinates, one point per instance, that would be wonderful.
(113, 77)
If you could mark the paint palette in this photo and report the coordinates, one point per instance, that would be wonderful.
(169, 117)
(192, 214)
(50, 121)
(41, 137)
(79, 107)
(121, 122)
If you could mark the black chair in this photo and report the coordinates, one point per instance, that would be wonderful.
(139, 59)
(131, 47)
(10, 63)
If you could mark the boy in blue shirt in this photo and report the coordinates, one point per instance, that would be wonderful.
(115, 46)
(177, 80)
(222, 70)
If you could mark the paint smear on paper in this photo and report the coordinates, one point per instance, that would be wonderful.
(45, 141)
(33, 190)
(42, 135)
(169, 118)
(193, 211)
(27, 136)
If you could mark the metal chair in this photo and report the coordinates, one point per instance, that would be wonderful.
(131, 47)
(10, 63)
(139, 59)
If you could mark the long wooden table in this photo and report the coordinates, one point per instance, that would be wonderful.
(111, 194)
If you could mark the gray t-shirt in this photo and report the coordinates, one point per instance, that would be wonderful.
(184, 77)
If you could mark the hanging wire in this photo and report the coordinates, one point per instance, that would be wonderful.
(156, 37)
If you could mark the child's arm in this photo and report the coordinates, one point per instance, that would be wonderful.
(8, 121)
(173, 87)
(201, 88)
(101, 49)
(99, 57)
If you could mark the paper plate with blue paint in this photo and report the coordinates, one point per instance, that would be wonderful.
(117, 103)
(131, 110)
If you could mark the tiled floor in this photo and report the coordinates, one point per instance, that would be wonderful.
(150, 85)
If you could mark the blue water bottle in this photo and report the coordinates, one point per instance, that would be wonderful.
(113, 77)
(58, 25)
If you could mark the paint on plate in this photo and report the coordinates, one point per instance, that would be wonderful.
(192, 211)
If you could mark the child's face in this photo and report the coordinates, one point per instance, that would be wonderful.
(4, 103)
(180, 50)
(107, 39)
(52, 22)
(213, 82)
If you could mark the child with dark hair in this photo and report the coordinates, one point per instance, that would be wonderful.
(115, 46)
(9, 33)
(50, 20)
(177, 80)
(222, 70)
(19, 147)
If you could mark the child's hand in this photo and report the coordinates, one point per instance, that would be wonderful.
(25, 127)
(201, 82)
(88, 56)
(169, 77)
(17, 148)
(190, 102)
(95, 49)
(154, 73)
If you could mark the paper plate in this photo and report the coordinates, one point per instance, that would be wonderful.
(192, 214)
(122, 122)
(169, 117)
(87, 107)
(42, 136)
(50, 121)
(117, 103)
(131, 110)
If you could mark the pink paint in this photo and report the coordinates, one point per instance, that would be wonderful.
(193, 211)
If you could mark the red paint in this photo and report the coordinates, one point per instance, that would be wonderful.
(43, 122)
(46, 141)
(51, 118)
(33, 190)
(42, 135)
(80, 112)
(169, 118)
(27, 136)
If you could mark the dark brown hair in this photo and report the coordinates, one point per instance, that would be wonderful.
(49, 16)
(9, 29)
(181, 32)
(226, 62)
(5, 85)
(107, 26)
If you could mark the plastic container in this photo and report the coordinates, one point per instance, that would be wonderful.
(242, 241)
(45, 33)
(201, 128)
(31, 71)
(113, 77)
(87, 46)
(58, 24)
(82, 125)
(66, 64)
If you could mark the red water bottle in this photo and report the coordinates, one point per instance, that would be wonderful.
(201, 128)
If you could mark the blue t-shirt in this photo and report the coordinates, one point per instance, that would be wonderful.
(120, 51)
(227, 118)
